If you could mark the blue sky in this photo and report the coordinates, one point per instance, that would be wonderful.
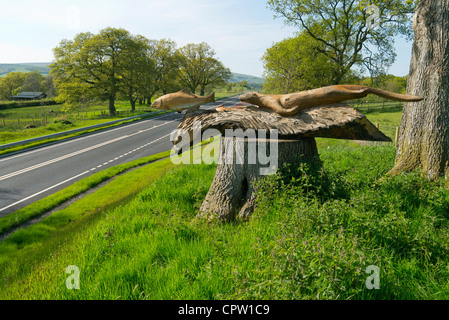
(238, 30)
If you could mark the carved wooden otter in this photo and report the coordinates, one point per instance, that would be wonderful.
(290, 104)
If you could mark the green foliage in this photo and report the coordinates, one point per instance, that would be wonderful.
(114, 64)
(312, 236)
(10, 84)
(24, 104)
(296, 64)
(345, 33)
(199, 68)
(16, 82)
(165, 79)
(96, 66)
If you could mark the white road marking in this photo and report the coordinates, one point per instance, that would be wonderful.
(43, 191)
(65, 181)
(73, 154)
(78, 139)
(46, 163)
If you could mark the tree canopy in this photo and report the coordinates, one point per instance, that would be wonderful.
(199, 68)
(350, 33)
(15, 82)
(294, 65)
(114, 64)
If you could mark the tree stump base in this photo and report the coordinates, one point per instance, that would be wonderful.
(231, 196)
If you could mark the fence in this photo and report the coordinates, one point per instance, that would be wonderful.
(390, 131)
(43, 119)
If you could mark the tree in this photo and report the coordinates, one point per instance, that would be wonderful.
(394, 84)
(295, 65)
(199, 68)
(215, 74)
(48, 86)
(10, 84)
(33, 82)
(93, 66)
(138, 69)
(165, 73)
(424, 133)
(345, 31)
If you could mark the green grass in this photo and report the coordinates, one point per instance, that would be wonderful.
(22, 249)
(42, 206)
(312, 236)
(388, 121)
(221, 93)
(13, 132)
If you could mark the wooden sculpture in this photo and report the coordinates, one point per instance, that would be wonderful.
(290, 104)
(181, 100)
(297, 119)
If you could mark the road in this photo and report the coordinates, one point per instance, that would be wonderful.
(33, 175)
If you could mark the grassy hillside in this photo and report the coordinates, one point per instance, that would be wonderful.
(238, 77)
(5, 68)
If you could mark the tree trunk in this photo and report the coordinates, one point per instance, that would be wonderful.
(424, 133)
(231, 196)
(112, 106)
(132, 101)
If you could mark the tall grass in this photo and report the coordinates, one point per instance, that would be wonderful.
(313, 235)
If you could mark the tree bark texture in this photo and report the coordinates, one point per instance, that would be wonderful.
(231, 196)
(338, 121)
(424, 134)
(112, 109)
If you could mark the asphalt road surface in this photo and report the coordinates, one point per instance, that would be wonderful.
(33, 175)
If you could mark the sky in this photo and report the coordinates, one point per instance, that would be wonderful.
(239, 31)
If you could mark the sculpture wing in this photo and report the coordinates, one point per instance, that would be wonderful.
(338, 121)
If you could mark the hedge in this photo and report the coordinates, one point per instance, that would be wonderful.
(21, 104)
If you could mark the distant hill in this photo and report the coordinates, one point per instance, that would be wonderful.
(43, 67)
(238, 77)
(6, 68)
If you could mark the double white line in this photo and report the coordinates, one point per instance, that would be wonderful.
(70, 155)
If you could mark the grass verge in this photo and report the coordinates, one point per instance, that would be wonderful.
(42, 206)
(68, 136)
(314, 233)
(22, 249)
(19, 135)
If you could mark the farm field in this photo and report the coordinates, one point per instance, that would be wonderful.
(13, 121)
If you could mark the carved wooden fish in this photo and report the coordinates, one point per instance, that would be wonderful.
(181, 100)
(290, 104)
